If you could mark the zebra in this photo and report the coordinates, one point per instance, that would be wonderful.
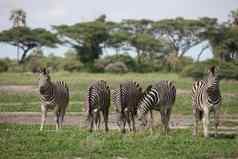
(160, 97)
(206, 98)
(125, 99)
(98, 100)
(53, 95)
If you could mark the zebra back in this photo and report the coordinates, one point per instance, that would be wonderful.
(161, 94)
(130, 95)
(98, 96)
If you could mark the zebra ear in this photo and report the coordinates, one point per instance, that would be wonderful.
(45, 71)
(212, 70)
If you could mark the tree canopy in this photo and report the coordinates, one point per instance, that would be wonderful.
(27, 39)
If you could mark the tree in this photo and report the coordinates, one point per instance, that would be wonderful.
(118, 38)
(87, 38)
(18, 17)
(181, 34)
(27, 39)
(146, 45)
(140, 37)
(234, 17)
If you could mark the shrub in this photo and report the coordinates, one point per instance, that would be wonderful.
(226, 70)
(4, 65)
(196, 71)
(117, 67)
(72, 66)
(124, 58)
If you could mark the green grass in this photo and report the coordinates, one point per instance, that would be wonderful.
(79, 82)
(25, 141)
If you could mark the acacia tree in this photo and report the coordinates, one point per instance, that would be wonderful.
(27, 39)
(87, 38)
(118, 38)
(140, 37)
(222, 38)
(18, 17)
(234, 17)
(181, 34)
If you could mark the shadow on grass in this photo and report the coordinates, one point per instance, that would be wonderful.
(224, 136)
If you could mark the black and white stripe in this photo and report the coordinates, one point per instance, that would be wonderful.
(53, 96)
(98, 100)
(206, 98)
(125, 99)
(161, 97)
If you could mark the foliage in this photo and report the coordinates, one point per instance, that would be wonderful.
(71, 62)
(27, 39)
(4, 65)
(180, 33)
(87, 38)
(117, 67)
(226, 70)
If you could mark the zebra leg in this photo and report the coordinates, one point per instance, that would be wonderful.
(133, 123)
(43, 116)
(151, 121)
(205, 121)
(57, 118)
(61, 116)
(105, 117)
(163, 119)
(195, 122)
(123, 126)
(128, 120)
(90, 122)
(167, 117)
(217, 120)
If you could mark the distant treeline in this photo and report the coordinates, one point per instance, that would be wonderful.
(159, 45)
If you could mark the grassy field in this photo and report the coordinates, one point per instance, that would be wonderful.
(27, 142)
(78, 83)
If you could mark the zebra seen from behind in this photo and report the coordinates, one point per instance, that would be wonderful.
(53, 95)
(98, 100)
(160, 97)
(125, 99)
(206, 98)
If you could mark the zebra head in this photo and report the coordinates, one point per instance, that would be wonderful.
(44, 80)
(212, 80)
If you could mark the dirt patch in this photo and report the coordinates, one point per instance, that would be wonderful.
(79, 120)
(34, 90)
(19, 88)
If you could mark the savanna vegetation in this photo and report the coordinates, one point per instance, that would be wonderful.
(160, 48)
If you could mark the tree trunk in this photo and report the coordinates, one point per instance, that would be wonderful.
(18, 54)
(201, 52)
(22, 60)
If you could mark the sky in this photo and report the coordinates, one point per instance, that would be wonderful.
(44, 13)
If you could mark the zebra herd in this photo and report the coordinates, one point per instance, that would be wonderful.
(131, 102)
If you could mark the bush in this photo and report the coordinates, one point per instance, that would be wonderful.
(4, 65)
(72, 66)
(117, 67)
(226, 70)
(196, 71)
(100, 64)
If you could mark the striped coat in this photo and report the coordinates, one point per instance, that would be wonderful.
(161, 97)
(98, 100)
(53, 96)
(125, 99)
(206, 98)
